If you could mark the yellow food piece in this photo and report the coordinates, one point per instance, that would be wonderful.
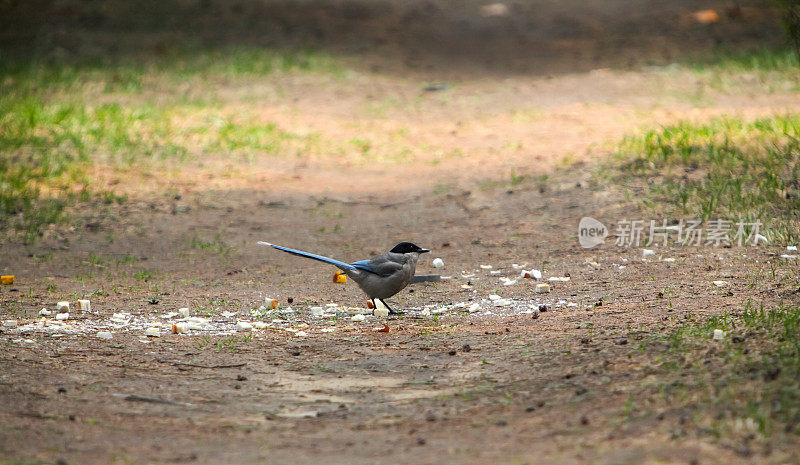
(339, 277)
(7, 279)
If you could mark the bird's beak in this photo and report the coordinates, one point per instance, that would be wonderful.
(424, 250)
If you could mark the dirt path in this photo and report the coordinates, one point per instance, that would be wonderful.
(493, 165)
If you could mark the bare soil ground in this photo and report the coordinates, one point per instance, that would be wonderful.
(459, 388)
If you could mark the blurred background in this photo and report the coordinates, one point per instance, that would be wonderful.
(107, 103)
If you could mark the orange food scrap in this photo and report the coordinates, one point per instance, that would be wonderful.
(706, 16)
(385, 329)
(273, 304)
(370, 305)
(339, 278)
(7, 279)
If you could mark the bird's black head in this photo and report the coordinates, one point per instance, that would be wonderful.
(408, 247)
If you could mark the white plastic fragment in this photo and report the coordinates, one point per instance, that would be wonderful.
(169, 315)
(486, 267)
(466, 286)
(244, 326)
(381, 312)
(788, 257)
(317, 311)
(494, 297)
(495, 272)
(359, 317)
(84, 305)
(719, 334)
(474, 308)
(647, 252)
(562, 279)
(507, 281)
(104, 335)
(791, 248)
(326, 330)
(227, 314)
(720, 283)
(153, 331)
(501, 302)
(301, 334)
(121, 317)
(45, 312)
(62, 307)
(437, 263)
(669, 260)
(542, 288)
(62, 316)
(183, 312)
(10, 324)
(259, 325)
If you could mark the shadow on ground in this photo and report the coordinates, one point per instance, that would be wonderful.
(429, 36)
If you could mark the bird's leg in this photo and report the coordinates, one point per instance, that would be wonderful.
(391, 312)
(373, 305)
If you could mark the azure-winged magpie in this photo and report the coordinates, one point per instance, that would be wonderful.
(381, 276)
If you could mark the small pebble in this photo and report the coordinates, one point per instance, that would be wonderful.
(622, 341)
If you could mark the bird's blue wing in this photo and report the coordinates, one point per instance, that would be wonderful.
(363, 265)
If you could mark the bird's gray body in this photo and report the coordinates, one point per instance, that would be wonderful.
(391, 273)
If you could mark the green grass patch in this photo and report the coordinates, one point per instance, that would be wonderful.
(58, 118)
(772, 70)
(726, 168)
(743, 389)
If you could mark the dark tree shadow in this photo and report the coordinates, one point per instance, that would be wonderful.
(439, 36)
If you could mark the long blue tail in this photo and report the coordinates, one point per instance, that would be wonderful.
(313, 256)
